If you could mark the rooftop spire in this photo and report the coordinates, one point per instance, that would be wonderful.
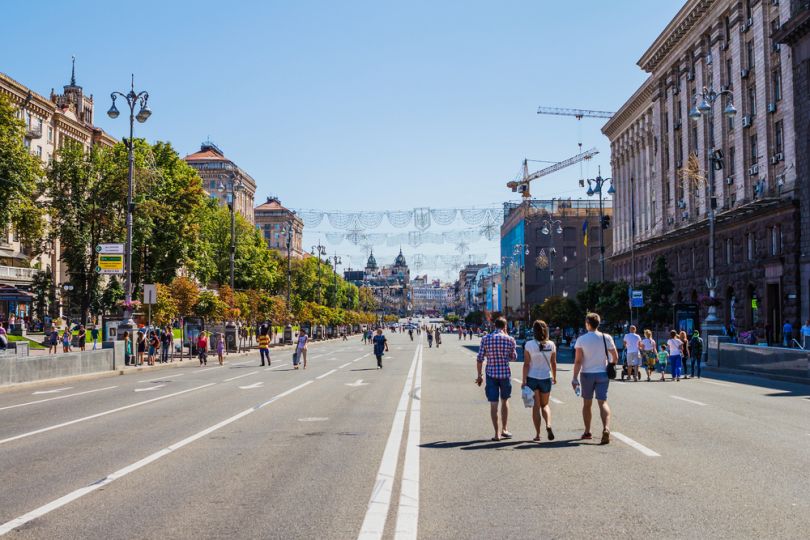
(73, 71)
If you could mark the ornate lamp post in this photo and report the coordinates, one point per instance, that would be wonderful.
(550, 225)
(520, 251)
(336, 260)
(132, 99)
(321, 251)
(595, 186)
(231, 188)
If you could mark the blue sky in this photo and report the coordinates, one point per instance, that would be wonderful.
(355, 105)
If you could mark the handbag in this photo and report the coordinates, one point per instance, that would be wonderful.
(611, 367)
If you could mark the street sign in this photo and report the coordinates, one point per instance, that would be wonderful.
(110, 248)
(110, 264)
(149, 294)
(636, 298)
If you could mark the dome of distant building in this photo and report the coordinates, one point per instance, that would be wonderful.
(372, 262)
(400, 260)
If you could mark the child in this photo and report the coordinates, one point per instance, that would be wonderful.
(220, 347)
(662, 361)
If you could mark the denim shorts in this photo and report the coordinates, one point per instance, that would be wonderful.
(496, 389)
(594, 383)
(543, 385)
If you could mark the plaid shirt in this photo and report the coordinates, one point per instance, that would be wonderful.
(499, 350)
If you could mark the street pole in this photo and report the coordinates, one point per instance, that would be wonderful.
(132, 98)
(632, 242)
(289, 262)
(601, 238)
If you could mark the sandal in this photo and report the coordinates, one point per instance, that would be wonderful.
(495, 439)
(586, 436)
(506, 435)
(605, 437)
(536, 439)
(550, 434)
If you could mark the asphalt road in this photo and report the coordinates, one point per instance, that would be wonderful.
(343, 450)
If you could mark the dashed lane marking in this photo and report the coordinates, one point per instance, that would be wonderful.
(692, 401)
(55, 398)
(240, 376)
(714, 383)
(633, 444)
(149, 388)
(319, 377)
(163, 378)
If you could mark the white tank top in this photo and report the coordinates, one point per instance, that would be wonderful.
(541, 358)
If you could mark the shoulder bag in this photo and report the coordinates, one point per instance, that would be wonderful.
(611, 367)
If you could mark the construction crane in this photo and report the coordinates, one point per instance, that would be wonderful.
(579, 114)
(522, 185)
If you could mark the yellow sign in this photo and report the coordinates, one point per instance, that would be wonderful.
(110, 263)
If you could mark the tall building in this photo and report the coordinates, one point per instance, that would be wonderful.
(544, 250)
(464, 289)
(430, 296)
(217, 171)
(275, 222)
(50, 123)
(663, 175)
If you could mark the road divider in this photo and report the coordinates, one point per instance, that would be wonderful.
(408, 511)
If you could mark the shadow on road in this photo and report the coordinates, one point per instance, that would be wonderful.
(364, 369)
(480, 444)
(781, 388)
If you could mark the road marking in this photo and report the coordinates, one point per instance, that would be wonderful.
(638, 446)
(358, 382)
(162, 378)
(344, 365)
(380, 500)
(55, 398)
(689, 400)
(408, 512)
(319, 377)
(252, 386)
(240, 376)
(120, 473)
(243, 363)
(557, 401)
(98, 415)
(209, 368)
(55, 391)
(313, 419)
(714, 383)
(149, 388)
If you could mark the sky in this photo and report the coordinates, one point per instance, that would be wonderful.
(350, 105)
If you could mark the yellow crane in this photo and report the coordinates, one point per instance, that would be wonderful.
(522, 186)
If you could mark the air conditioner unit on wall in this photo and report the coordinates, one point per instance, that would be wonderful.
(771, 108)
(744, 73)
(746, 121)
(690, 76)
(779, 156)
(730, 180)
(753, 170)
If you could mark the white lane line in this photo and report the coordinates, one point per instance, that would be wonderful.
(252, 386)
(54, 391)
(120, 473)
(319, 377)
(714, 383)
(55, 398)
(210, 368)
(555, 400)
(98, 415)
(692, 401)
(149, 388)
(243, 363)
(408, 513)
(638, 446)
(240, 376)
(380, 501)
(162, 378)
(277, 367)
(344, 365)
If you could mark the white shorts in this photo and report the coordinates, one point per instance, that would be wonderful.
(633, 359)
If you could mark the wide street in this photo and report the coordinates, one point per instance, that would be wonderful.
(343, 450)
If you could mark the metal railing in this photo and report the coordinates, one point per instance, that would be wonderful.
(20, 274)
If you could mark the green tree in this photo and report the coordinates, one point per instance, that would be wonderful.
(657, 310)
(42, 287)
(209, 307)
(20, 180)
(113, 293)
(186, 293)
(164, 311)
(558, 311)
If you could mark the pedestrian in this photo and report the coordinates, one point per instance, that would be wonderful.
(140, 348)
(202, 348)
(539, 373)
(631, 347)
(675, 348)
(94, 336)
(438, 337)
(221, 348)
(127, 349)
(684, 351)
(805, 333)
(430, 338)
(695, 352)
(154, 346)
(67, 336)
(787, 334)
(649, 352)
(264, 346)
(410, 333)
(166, 341)
(380, 346)
(498, 348)
(661, 365)
(301, 348)
(460, 331)
(81, 336)
(53, 340)
(594, 352)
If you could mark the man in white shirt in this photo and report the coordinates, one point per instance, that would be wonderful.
(593, 352)
(805, 332)
(631, 341)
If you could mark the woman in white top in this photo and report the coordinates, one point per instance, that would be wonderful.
(539, 373)
(649, 351)
(675, 347)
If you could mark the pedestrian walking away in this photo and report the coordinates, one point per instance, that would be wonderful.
(128, 360)
(695, 353)
(539, 374)
(380, 346)
(498, 349)
(787, 334)
(220, 348)
(430, 338)
(301, 348)
(593, 352)
(631, 347)
(53, 342)
(264, 345)
(675, 348)
(684, 352)
(661, 365)
(649, 353)
(438, 337)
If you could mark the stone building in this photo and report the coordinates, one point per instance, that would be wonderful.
(50, 123)
(217, 171)
(274, 221)
(664, 179)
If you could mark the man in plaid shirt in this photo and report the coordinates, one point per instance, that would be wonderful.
(499, 349)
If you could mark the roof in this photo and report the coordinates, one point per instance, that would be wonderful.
(271, 204)
(206, 155)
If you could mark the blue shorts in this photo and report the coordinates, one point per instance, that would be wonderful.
(541, 385)
(496, 389)
(594, 383)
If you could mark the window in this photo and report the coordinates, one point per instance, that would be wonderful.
(774, 241)
(729, 71)
(693, 258)
(752, 100)
(731, 162)
(39, 151)
(753, 144)
(778, 136)
(212, 185)
(749, 238)
(729, 251)
(50, 134)
(776, 80)
(750, 54)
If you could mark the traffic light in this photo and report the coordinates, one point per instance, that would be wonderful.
(605, 222)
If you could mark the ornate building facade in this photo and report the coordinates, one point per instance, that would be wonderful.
(275, 221)
(217, 171)
(667, 163)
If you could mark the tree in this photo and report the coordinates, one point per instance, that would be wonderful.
(42, 287)
(209, 307)
(164, 311)
(657, 309)
(186, 293)
(558, 311)
(20, 180)
(475, 318)
(112, 295)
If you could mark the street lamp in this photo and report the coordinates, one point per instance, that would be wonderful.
(520, 251)
(548, 226)
(321, 251)
(595, 186)
(132, 98)
(233, 185)
(337, 261)
(68, 288)
(287, 231)
(714, 159)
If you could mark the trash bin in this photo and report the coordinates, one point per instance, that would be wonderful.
(288, 334)
(230, 337)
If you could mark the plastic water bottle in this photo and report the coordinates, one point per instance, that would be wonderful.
(578, 390)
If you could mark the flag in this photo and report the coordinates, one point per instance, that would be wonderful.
(585, 232)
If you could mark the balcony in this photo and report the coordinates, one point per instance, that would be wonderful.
(33, 132)
(16, 275)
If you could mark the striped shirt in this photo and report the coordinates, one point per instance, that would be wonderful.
(499, 349)
(264, 342)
